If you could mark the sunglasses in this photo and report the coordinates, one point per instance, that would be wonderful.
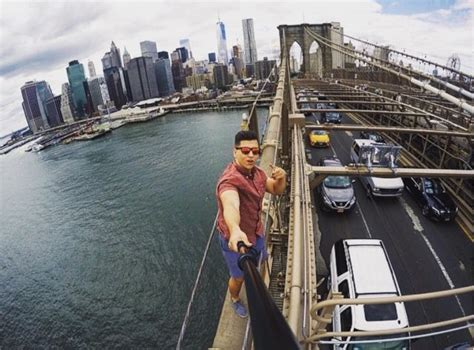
(247, 150)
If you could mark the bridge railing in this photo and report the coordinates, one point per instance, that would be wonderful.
(322, 313)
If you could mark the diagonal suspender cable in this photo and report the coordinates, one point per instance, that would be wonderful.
(261, 90)
(196, 283)
(409, 56)
(467, 107)
(452, 87)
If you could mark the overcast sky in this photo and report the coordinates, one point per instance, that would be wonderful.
(38, 39)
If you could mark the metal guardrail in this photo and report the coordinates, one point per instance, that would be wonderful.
(322, 319)
(362, 170)
(418, 131)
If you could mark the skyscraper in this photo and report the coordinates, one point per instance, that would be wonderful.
(212, 57)
(35, 95)
(141, 75)
(250, 47)
(185, 43)
(222, 54)
(163, 54)
(237, 51)
(112, 58)
(164, 77)
(148, 49)
(220, 75)
(126, 58)
(107, 61)
(239, 66)
(53, 108)
(96, 88)
(77, 78)
(115, 55)
(67, 108)
(91, 67)
(177, 70)
(183, 54)
(116, 86)
(263, 68)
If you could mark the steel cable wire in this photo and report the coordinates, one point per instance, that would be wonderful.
(196, 283)
(349, 52)
(408, 55)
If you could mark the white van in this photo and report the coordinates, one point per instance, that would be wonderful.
(360, 268)
(377, 186)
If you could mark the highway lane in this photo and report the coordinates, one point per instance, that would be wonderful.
(426, 256)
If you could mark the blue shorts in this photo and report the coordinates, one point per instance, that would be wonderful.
(231, 258)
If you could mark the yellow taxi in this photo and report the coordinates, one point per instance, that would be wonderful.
(319, 138)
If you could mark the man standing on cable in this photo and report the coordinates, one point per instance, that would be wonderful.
(240, 191)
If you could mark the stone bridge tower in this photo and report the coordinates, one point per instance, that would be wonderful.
(297, 33)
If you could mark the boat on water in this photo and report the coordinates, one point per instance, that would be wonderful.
(37, 147)
(92, 135)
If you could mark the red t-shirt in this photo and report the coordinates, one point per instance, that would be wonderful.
(251, 190)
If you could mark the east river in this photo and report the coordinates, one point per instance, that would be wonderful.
(100, 241)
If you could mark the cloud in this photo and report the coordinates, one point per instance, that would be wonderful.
(38, 39)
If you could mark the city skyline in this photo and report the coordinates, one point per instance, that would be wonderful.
(45, 54)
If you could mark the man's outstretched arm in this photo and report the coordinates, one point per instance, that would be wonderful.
(231, 206)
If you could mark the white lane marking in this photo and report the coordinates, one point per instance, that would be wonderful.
(348, 133)
(363, 219)
(419, 228)
(461, 266)
(414, 219)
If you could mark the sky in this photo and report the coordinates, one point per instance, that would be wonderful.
(38, 39)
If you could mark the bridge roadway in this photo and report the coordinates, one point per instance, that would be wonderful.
(426, 256)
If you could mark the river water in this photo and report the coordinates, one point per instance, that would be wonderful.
(100, 241)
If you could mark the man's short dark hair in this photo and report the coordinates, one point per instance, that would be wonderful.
(246, 135)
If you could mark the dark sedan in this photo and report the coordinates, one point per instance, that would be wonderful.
(432, 198)
(331, 117)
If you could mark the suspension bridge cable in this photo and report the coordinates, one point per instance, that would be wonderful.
(196, 283)
(408, 55)
(260, 92)
(407, 70)
(425, 85)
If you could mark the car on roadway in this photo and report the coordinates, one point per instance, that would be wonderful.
(369, 135)
(319, 138)
(336, 192)
(360, 269)
(331, 117)
(432, 197)
(375, 186)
